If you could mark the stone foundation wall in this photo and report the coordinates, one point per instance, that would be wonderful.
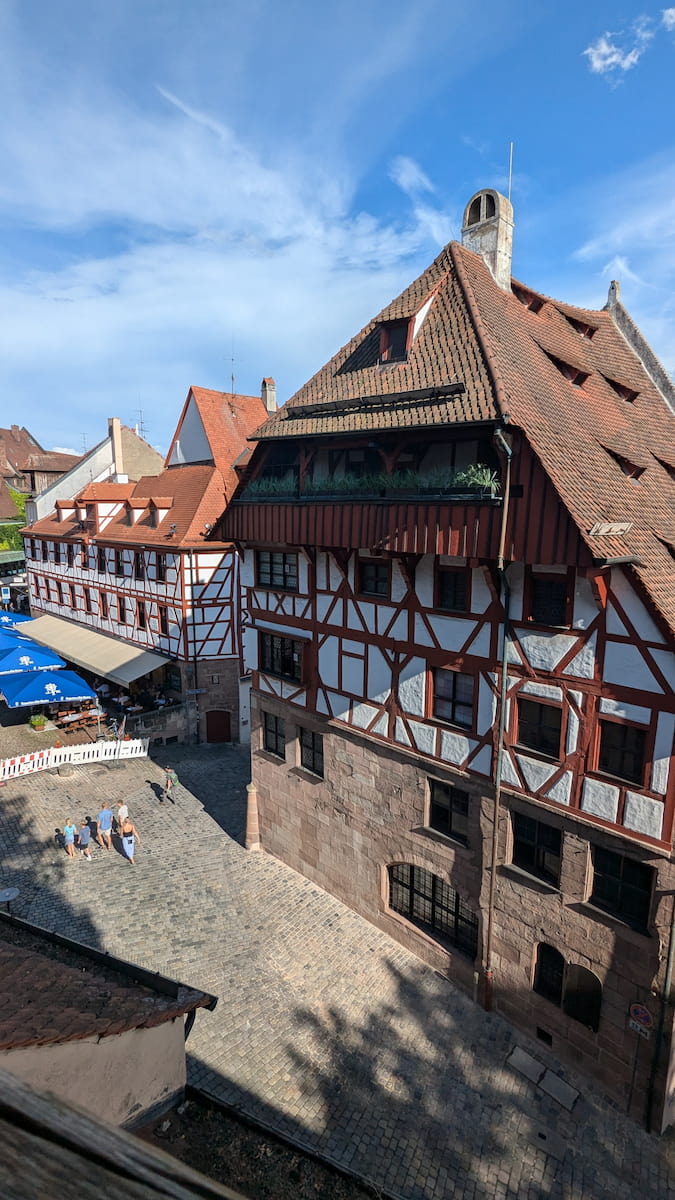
(370, 810)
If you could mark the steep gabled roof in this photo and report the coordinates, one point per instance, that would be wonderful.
(579, 383)
(213, 428)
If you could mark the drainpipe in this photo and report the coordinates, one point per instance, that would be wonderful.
(194, 641)
(665, 1000)
(506, 449)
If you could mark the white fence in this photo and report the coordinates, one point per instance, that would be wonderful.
(43, 760)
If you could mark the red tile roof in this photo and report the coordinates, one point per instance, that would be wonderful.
(54, 990)
(510, 361)
(228, 419)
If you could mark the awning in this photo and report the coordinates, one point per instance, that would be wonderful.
(106, 656)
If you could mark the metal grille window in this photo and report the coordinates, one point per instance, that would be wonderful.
(274, 734)
(161, 568)
(277, 569)
(548, 601)
(281, 656)
(622, 887)
(622, 751)
(449, 810)
(430, 902)
(539, 727)
(536, 848)
(452, 590)
(373, 578)
(453, 697)
(139, 565)
(311, 751)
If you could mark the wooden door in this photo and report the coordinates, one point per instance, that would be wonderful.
(218, 726)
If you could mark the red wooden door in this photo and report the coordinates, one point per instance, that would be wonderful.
(218, 726)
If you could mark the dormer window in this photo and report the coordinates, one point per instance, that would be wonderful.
(528, 299)
(394, 341)
(631, 470)
(622, 390)
(575, 376)
(583, 329)
(152, 517)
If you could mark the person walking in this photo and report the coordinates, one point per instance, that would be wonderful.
(128, 833)
(122, 814)
(170, 782)
(104, 822)
(69, 831)
(83, 839)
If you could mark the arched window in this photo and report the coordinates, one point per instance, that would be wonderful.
(474, 212)
(428, 901)
(571, 987)
(489, 206)
(583, 996)
(549, 973)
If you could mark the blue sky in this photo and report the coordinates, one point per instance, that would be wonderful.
(184, 183)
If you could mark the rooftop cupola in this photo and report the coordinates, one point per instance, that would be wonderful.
(487, 229)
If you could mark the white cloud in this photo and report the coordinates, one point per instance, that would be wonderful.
(409, 176)
(668, 18)
(620, 51)
(65, 450)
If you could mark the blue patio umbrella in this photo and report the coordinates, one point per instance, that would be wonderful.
(44, 687)
(27, 656)
(11, 638)
(10, 620)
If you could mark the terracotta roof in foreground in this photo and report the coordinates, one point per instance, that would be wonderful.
(53, 990)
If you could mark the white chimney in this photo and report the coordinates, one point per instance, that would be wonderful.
(487, 229)
(269, 395)
(115, 435)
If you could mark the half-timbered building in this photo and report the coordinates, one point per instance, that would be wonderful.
(457, 541)
(125, 581)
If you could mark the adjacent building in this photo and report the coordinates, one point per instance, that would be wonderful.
(458, 544)
(126, 581)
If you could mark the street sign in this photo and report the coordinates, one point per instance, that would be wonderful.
(641, 1015)
(638, 1028)
(5, 594)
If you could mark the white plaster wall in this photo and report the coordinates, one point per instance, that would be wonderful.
(353, 679)
(631, 712)
(192, 445)
(585, 609)
(328, 662)
(411, 687)
(544, 651)
(516, 575)
(625, 665)
(600, 799)
(379, 676)
(116, 1078)
(481, 596)
(424, 581)
(245, 711)
(663, 749)
(634, 608)
(451, 632)
(582, 666)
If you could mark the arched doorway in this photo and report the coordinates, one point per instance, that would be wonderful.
(218, 726)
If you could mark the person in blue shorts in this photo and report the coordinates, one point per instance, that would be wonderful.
(69, 831)
(104, 822)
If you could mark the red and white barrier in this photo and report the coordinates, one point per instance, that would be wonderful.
(44, 760)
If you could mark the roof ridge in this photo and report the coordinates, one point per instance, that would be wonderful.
(481, 332)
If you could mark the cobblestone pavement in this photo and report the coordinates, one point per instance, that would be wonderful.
(325, 1030)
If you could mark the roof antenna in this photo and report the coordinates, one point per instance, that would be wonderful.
(232, 371)
(510, 169)
(141, 429)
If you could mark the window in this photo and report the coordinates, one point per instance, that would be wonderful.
(84, 557)
(119, 562)
(528, 299)
(45, 552)
(583, 329)
(163, 620)
(575, 376)
(574, 988)
(311, 751)
(622, 887)
(104, 606)
(622, 751)
(432, 904)
(373, 577)
(57, 552)
(277, 569)
(69, 554)
(449, 810)
(121, 610)
(536, 848)
(140, 614)
(161, 568)
(100, 558)
(453, 697)
(73, 596)
(394, 341)
(87, 600)
(59, 591)
(548, 600)
(539, 727)
(622, 390)
(452, 589)
(33, 548)
(274, 735)
(281, 656)
(139, 565)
